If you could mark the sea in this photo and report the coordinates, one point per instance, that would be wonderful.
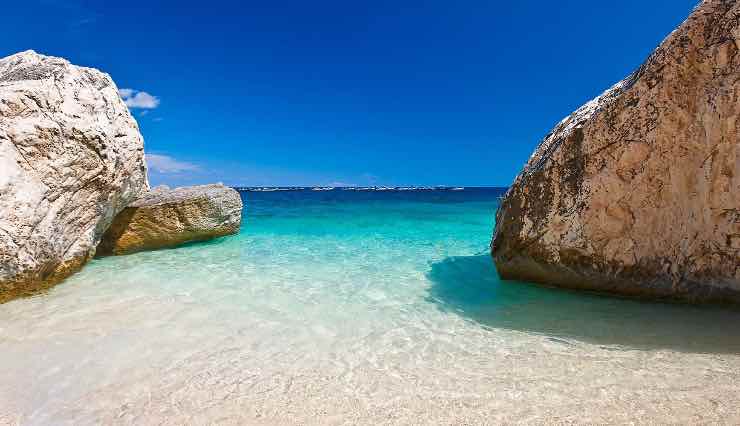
(355, 306)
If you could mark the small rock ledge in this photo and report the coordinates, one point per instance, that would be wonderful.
(169, 217)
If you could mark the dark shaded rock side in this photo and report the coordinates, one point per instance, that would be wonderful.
(637, 193)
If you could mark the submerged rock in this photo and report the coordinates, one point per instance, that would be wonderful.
(169, 217)
(71, 157)
(638, 191)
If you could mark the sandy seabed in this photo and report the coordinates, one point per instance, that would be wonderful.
(341, 311)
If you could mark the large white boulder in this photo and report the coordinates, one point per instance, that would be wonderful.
(71, 158)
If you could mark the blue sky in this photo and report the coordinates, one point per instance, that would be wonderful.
(357, 93)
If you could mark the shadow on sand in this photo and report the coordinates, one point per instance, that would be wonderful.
(469, 286)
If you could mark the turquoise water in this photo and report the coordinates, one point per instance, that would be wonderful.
(352, 306)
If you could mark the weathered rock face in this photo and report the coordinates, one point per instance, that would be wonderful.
(638, 191)
(71, 157)
(168, 217)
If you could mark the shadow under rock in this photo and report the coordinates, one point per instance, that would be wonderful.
(470, 287)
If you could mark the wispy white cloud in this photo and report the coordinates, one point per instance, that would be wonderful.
(81, 22)
(166, 165)
(138, 99)
(369, 178)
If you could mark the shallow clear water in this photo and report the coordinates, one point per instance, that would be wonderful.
(354, 307)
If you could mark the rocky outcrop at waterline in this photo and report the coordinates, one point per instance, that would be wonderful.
(638, 191)
(169, 217)
(71, 158)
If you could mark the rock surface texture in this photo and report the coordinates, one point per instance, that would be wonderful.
(168, 217)
(638, 191)
(71, 157)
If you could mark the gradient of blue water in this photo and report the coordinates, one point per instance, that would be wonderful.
(346, 256)
(355, 305)
(446, 234)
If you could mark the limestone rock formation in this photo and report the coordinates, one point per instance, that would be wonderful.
(638, 191)
(71, 157)
(169, 217)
